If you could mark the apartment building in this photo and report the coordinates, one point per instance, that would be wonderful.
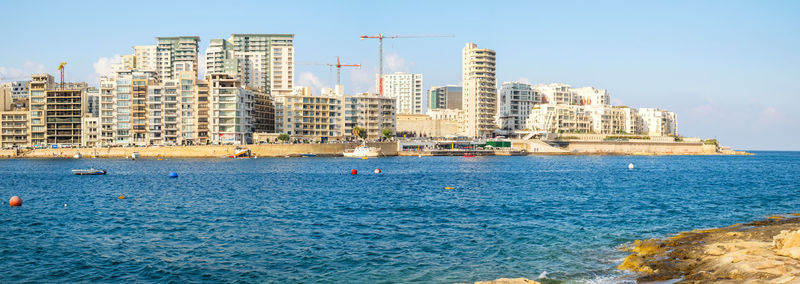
(17, 89)
(302, 115)
(479, 100)
(371, 112)
(515, 101)
(55, 112)
(658, 122)
(407, 91)
(263, 112)
(90, 130)
(231, 110)
(145, 57)
(13, 121)
(175, 55)
(444, 97)
(260, 61)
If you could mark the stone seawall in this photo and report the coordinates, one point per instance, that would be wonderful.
(267, 150)
(659, 148)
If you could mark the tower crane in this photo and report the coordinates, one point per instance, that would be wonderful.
(380, 38)
(338, 66)
(61, 68)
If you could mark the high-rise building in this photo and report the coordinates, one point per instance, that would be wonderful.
(479, 100)
(231, 110)
(444, 97)
(17, 89)
(202, 110)
(263, 61)
(124, 107)
(175, 55)
(145, 57)
(514, 106)
(406, 89)
(55, 111)
(220, 58)
(13, 121)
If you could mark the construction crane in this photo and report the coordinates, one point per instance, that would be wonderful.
(338, 66)
(380, 38)
(61, 68)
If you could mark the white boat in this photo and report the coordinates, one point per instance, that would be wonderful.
(362, 151)
(89, 172)
(76, 156)
(134, 155)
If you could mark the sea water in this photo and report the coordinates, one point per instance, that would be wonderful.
(308, 220)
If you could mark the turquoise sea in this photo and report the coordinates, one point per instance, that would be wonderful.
(307, 220)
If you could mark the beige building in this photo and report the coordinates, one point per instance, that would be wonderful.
(175, 55)
(55, 112)
(302, 115)
(479, 91)
(90, 131)
(13, 122)
(372, 112)
(260, 61)
(422, 125)
(230, 111)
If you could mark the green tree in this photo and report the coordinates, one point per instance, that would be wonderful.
(387, 133)
(359, 132)
(284, 137)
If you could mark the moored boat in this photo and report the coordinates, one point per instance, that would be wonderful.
(362, 151)
(134, 155)
(308, 155)
(89, 172)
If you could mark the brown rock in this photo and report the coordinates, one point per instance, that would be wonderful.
(509, 281)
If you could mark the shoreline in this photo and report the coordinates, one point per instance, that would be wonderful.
(519, 148)
(763, 251)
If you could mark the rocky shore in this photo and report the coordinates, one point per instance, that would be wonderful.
(766, 251)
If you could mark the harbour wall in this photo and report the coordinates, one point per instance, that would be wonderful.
(266, 150)
(627, 147)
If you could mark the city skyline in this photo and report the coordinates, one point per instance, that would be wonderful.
(726, 75)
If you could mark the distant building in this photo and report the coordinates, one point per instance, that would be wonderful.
(659, 122)
(479, 100)
(406, 89)
(17, 89)
(514, 103)
(302, 115)
(372, 112)
(90, 130)
(260, 61)
(175, 55)
(421, 125)
(145, 57)
(263, 112)
(231, 111)
(444, 97)
(55, 112)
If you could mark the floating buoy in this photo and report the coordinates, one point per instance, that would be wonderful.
(159, 159)
(120, 197)
(65, 205)
(353, 172)
(364, 158)
(377, 171)
(449, 187)
(630, 166)
(173, 174)
(15, 201)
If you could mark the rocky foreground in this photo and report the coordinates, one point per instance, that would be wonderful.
(765, 251)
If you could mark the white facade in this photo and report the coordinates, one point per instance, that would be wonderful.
(265, 61)
(231, 111)
(175, 55)
(145, 57)
(301, 114)
(479, 100)
(17, 89)
(658, 122)
(406, 89)
(515, 101)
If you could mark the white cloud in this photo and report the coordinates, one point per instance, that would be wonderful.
(102, 67)
(363, 80)
(395, 63)
(24, 73)
(311, 80)
(524, 80)
(770, 115)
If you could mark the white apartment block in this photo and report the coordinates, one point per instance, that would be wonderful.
(175, 55)
(658, 122)
(515, 101)
(406, 89)
(231, 111)
(90, 131)
(479, 100)
(372, 112)
(558, 93)
(123, 108)
(220, 58)
(145, 57)
(265, 61)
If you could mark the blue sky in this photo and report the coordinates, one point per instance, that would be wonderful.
(729, 69)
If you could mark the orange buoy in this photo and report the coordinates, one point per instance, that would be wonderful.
(15, 201)
(377, 171)
(353, 172)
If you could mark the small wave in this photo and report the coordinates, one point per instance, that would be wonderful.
(613, 279)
